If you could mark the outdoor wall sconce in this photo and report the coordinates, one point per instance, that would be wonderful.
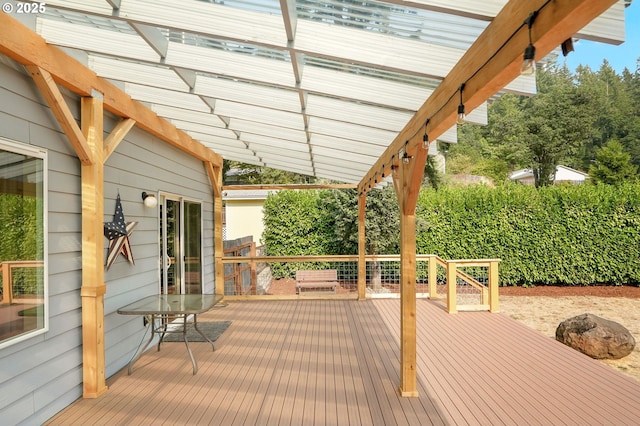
(149, 200)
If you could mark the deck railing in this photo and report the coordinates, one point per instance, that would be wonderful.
(19, 278)
(463, 285)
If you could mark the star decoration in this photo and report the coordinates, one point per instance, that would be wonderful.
(118, 227)
(118, 233)
(121, 245)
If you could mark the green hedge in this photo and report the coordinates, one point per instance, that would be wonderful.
(561, 235)
(294, 226)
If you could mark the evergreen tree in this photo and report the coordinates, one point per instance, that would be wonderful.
(613, 166)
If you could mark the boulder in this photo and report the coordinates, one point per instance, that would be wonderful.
(596, 337)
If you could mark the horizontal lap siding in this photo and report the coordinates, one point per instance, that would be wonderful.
(140, 163)
(41, 375)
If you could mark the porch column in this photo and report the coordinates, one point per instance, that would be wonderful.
(93, 287)
(215, 175)
(362, 247)
(408, 385)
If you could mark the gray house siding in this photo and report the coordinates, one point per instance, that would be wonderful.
(42, 375)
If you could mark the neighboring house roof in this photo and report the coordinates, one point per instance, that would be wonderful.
(247, 194)
(563, 174)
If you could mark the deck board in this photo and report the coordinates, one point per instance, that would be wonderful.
(336, 362)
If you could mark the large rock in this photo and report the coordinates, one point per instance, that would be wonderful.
(597, 337)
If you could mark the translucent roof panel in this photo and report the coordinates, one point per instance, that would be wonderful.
(319, 86)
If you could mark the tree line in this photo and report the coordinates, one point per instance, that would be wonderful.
(588, 120)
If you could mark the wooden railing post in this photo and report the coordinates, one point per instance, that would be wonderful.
(452, 268)
(254, 273)
(7, 283)
(433, 277)
(362, 263)
(493, 287)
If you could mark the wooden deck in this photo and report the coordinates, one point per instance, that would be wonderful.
(335, 362)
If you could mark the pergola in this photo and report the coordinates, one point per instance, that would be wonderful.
(342, 90)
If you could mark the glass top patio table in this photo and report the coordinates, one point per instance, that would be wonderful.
(167, 304)
(172, 311)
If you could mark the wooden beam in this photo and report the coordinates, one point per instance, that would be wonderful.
(116, 136)
(26, 47)
(289, 186)
(53, 96)
(490, 64)
(93, 288)
(362, 247)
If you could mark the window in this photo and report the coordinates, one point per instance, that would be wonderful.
(23, 281)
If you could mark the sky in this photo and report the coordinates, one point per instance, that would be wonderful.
(621, 56)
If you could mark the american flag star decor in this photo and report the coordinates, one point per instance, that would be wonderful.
(118, 233)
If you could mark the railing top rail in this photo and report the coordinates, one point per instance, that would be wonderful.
(473, 262)
(23, 262)
(353, 258)
(234, 259)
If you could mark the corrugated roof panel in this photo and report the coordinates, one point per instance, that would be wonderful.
(366, 115)
(259, 114)
(203, 129)
(113, 43)
(363, 88)
(208, 18)
(231, 64)
(171, 112)
(350, 131)
(101, 7)
(252, 94)
(608, 27)
(285, 155)
(136, 72)
(350, 145)
(340, 153)
(401, 21)
(261, 129)
(379, 49)
(261, 143)
(154, 95)
(341, 163)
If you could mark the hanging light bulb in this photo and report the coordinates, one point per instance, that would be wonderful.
(425, 138)
(461, 114)
(529, 59)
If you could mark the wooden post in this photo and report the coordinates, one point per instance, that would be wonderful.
(93, 287)
(362, 262)
(254, 270)
(494, 305)
(433, 277)
(406, 191)
(452, 268)
(215, 174)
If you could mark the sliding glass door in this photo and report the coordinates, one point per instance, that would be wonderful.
(180, 245)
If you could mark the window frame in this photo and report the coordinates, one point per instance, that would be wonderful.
(42, 154)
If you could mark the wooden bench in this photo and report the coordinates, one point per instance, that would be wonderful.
(324, 280)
